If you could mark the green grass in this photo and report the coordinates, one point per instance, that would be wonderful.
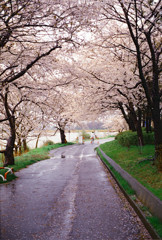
(129, 160)
(29, 158)
(117, 175)
(145, 172)
(156, 224)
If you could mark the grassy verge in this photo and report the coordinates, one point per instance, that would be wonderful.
(117, 175)
(29, 158)
(144, 172)
(156, 224)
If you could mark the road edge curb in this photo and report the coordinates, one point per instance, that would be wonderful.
(147, 225)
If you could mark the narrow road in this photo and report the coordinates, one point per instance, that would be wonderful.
(67, 197)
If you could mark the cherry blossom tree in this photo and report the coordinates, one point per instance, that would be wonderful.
(31, 31)
(140, 22)
(109, 84)
(132, 29)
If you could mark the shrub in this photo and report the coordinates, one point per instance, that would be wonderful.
(148, 138)
(129, 138)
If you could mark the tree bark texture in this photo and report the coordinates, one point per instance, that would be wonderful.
(9, 155)
(25, 145)
(127, 117)
(62, 135)
(136, 116)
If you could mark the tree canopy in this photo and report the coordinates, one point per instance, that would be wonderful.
(69, 61)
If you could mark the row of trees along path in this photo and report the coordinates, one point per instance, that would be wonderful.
(71, 61)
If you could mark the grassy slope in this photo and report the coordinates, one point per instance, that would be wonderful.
(144, 172)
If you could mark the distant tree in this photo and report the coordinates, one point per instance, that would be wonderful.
(65, 111)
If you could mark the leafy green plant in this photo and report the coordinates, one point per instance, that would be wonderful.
(129, 138)
(148, 138)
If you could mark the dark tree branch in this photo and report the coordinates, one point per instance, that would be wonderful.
(30, 65)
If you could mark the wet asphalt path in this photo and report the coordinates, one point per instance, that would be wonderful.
(67, 198)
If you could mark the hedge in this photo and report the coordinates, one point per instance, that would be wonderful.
(129, 138)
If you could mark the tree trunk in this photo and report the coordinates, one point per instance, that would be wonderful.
(127, 117)
(148, 120)
(137, 123)
(25, 145)
(139, 129)
(148, 124)
(36, 145)
(19, 147)
(131, 122)
(9, 151)
(62, 135)
(16, 150)
(9, 156)
(143, 119)
(158, 139)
